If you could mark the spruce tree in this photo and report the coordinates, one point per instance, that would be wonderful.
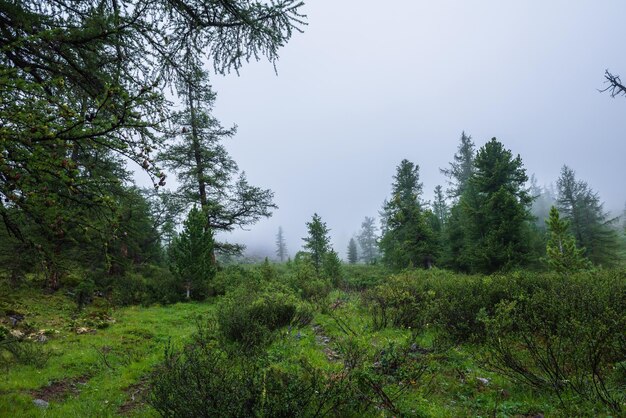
(589, 223)
(562, 254)
(543, 200)
(352, 252)
(317, 242)
(495, 211)
(281, 246)
(191, 255)
(408, 240)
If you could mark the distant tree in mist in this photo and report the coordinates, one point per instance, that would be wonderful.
(317, 243)
(408, 240)
(461, 168)
(543, 200)
(589, 223)
(353, 255)
(367, 241)
(281, 246)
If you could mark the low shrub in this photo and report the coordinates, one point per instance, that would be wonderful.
(304, 280)
(205, 380)
(248, 316)
(14, 350)
(566, 336)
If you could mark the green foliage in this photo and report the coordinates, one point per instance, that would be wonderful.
(306, 281)
(360, 277)
(249, 315)
(331, 268)
(318, 241)
(588, 222)
(229, 278)
(191, 255)
(494, 212)
(83, 293)
(562, 254)
(566, 336)
(82, 87)
(408, 240)
(13, 350)
(204, 380)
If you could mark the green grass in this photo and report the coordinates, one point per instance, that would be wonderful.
(102, 370)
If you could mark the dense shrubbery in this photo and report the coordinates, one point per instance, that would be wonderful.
(557, 332)
(361, 276)
(249, 314)
(207, 378)
(567, 335)
(303, 279)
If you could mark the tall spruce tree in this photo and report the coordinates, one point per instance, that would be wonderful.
(353, 255)
(367, 241)
(318, 241)
(408, 240)
(495, 211)
(459, 172)
(589, 223)
(281, 245)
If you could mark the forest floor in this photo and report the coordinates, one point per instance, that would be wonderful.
(101, 359)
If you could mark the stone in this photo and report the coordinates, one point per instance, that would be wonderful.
(41, 403)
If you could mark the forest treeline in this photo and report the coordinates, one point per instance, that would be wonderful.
(82, 89)
(492, 217)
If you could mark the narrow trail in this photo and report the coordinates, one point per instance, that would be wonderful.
(325, 341)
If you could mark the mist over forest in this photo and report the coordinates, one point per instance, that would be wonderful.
(349, 104)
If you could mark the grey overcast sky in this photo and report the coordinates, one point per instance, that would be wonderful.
(369, 83)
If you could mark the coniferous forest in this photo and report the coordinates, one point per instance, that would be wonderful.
(489, 295)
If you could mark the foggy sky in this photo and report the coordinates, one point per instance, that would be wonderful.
(369, 83)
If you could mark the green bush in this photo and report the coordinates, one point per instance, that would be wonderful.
(248, 315)
(306, 282)
(443, 300)
(205, 380)
(83, 293)
(22, 352)
(230, 278)
(359, 277)
(566, 336)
